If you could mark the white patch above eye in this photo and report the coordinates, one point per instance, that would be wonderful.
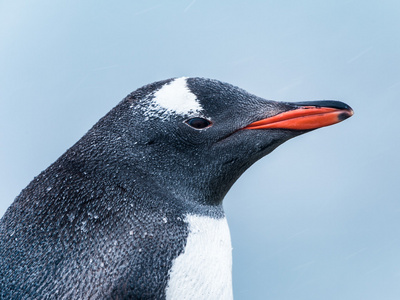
(174, 98)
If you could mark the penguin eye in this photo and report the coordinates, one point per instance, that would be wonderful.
(198, 123)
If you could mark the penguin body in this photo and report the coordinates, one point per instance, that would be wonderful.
(134, 209)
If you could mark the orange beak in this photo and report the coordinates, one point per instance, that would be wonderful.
(306, 117)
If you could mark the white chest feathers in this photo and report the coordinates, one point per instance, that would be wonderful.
(204, 269)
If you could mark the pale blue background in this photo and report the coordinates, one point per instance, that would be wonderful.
(319, 218)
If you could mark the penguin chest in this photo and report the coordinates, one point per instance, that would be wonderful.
(204, 269)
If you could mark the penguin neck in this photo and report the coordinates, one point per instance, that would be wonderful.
(199, 186)
(190, 177)
(133, 163)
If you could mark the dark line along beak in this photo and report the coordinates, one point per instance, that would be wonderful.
(308, 115)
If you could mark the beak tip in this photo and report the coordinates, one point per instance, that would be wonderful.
(345, 115)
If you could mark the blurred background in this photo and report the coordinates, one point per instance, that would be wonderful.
(319, 218)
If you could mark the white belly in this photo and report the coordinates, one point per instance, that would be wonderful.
(204, 269)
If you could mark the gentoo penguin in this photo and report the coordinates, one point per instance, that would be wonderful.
(134, 209)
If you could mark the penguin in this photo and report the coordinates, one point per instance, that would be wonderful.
(134, 210)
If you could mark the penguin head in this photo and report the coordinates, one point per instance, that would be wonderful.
(196, 136)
